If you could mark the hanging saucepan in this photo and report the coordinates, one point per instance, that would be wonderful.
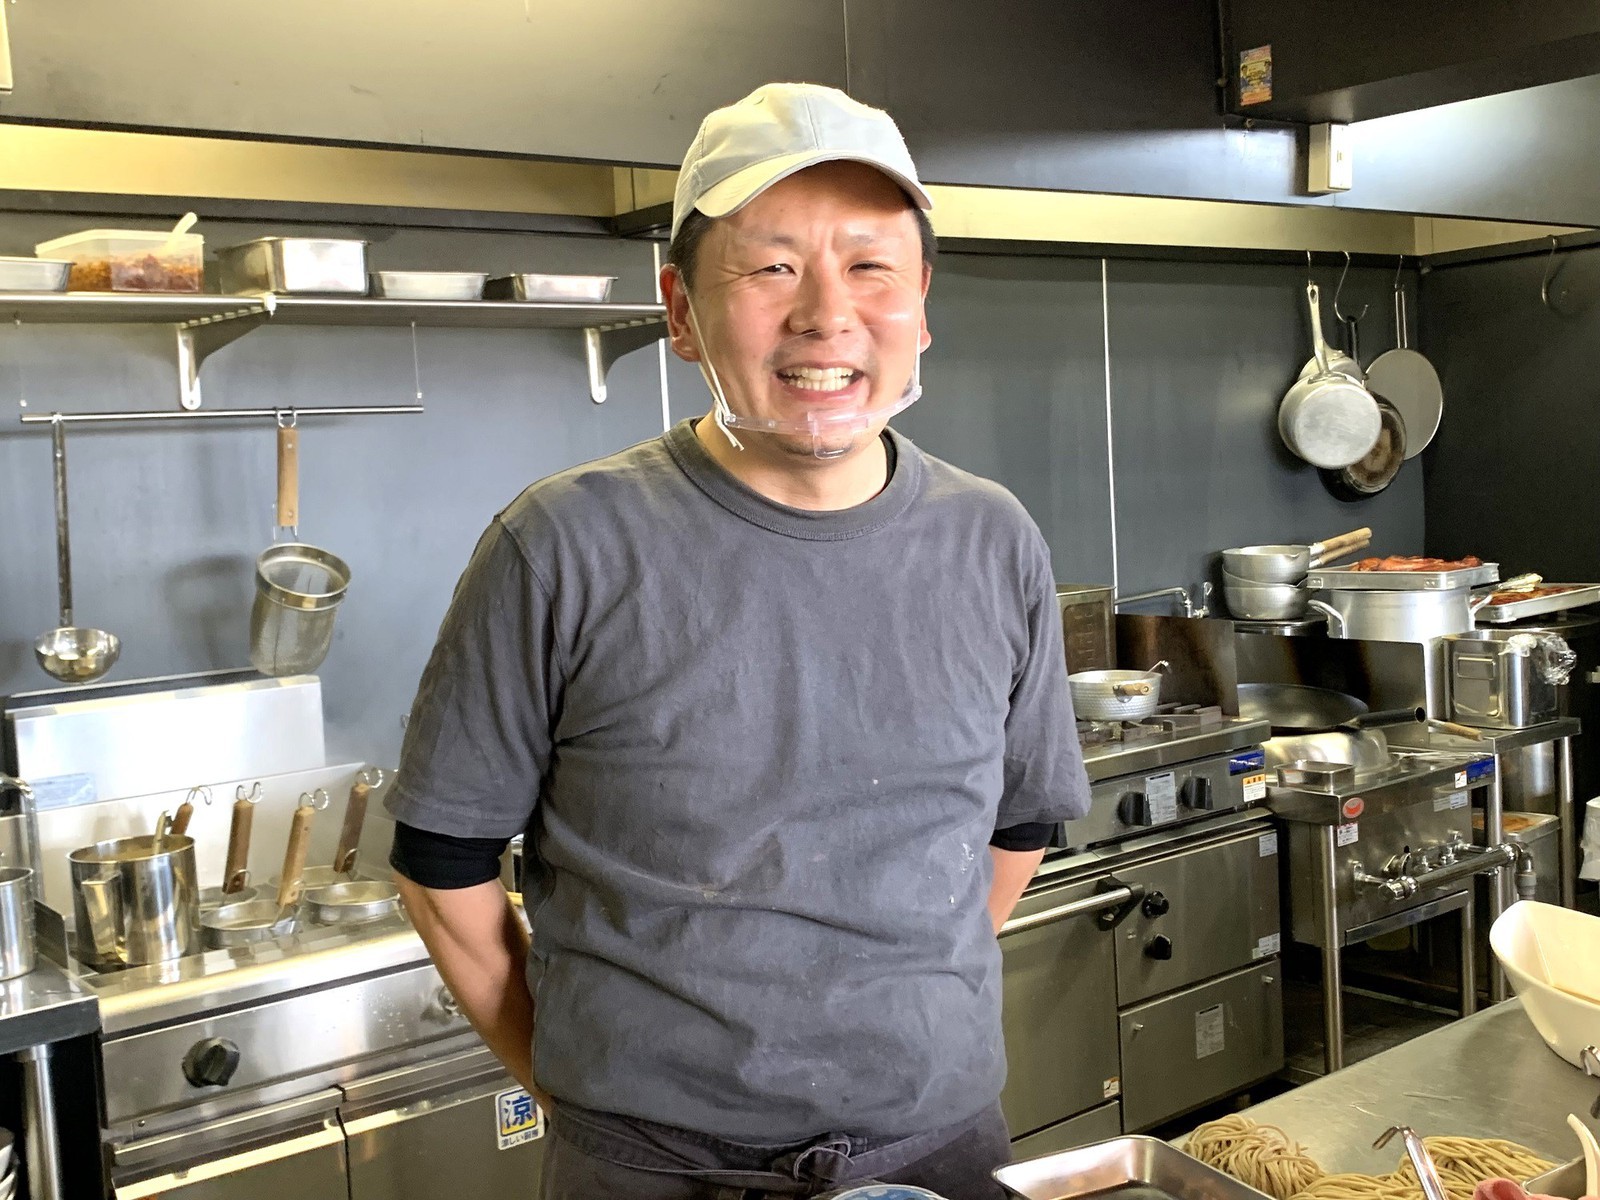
(1116, 695)
(253, 921)
(1327, 418)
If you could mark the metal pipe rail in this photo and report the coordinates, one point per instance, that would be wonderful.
(218, 414)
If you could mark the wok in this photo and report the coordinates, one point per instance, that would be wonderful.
(1298, 708)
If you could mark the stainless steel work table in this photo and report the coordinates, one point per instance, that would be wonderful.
(36, 1011)
(1487, 1075)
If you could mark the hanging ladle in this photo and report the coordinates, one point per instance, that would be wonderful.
(69, 653)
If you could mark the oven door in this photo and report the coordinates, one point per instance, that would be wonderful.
(411, 1131)
(1060, 1005)
(294, 1149)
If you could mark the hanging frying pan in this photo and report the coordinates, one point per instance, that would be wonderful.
(1406, 379)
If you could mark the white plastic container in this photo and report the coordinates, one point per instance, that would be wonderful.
(129, 260)
(1541, 946)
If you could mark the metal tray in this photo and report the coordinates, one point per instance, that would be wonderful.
(34, 274)
(586, 289)
(1582, 594)
(295, 266)
(429, 285)
(1146, 1168)
(1402, 581)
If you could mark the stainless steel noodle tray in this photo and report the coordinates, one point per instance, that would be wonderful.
(1580, 595)
(1121, 1168)
(1403, 581)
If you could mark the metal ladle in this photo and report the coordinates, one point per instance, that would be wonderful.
(69, 653)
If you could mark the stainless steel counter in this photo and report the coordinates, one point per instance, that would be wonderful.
(44, 1006)
(1488, 1075)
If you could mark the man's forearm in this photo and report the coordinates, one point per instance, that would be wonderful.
(481, 949)
(1013, 869)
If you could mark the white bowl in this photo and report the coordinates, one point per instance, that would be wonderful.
(1536, 943)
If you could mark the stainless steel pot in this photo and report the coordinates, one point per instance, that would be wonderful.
(1116, 695)
(135, 900)
(1407, 615)
(352, 903)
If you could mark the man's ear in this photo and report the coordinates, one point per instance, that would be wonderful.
(680, 333)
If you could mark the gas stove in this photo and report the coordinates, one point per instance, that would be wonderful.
(1167, 771)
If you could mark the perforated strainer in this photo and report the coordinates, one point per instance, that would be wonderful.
(298, 586)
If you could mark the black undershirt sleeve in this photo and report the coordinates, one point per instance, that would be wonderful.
(438, 860)
(1034, 835)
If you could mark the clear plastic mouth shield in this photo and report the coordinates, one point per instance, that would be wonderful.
(828, 387)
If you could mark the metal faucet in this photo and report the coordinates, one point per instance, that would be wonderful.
(1179, 593)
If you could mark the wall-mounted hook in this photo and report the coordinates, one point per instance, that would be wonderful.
(1344, 317)
(1544, 284)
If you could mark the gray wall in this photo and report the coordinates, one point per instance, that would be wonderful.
(1511, 475)
(167, 520)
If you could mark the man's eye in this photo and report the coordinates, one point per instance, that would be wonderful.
(773, 269)
(872, 266)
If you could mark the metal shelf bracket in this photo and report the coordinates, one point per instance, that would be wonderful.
(604, 344)
(199, 339)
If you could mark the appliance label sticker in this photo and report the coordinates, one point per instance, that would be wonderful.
(1251, 762)
(1268, 945)
(1268, 844)
(1208, 1036)
(63, 791)
(517, 1118)
(1347, 835)
(1255, 788)
(1449, 800)
(1162, 792)
(1112, 1088)
(1255, 75)
(1461, 779)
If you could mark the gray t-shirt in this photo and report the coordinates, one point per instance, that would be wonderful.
(759, 753)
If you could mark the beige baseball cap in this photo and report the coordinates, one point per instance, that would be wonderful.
(778, 129)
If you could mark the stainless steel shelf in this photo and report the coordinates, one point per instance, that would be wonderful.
(203, 324)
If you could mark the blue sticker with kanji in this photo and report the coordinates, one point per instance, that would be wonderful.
(518, 1118)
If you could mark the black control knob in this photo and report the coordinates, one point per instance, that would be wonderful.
(1155, 904)
(1134, 809)
(1159, 946)
(211, 1062)
(1196, 793)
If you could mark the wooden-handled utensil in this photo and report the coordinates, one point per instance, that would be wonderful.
(355, 815)
(237, 872)
(292, 879)
(288, 476)
(181, 818)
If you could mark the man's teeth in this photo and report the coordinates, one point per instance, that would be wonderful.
(818, 379)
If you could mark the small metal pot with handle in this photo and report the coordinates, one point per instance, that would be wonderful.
(1116, 695)
(135, 900)
(1328, 418)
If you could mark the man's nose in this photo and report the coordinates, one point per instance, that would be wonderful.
(822, 305)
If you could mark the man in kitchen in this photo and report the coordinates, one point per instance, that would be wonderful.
(781, 704)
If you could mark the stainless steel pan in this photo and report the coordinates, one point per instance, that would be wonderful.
(1406, 379)
(1327, 418)
(262, 920)
(1288, 563)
